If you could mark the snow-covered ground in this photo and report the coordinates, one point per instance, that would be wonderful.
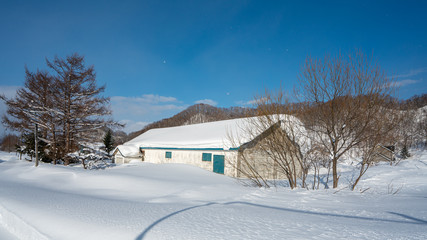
(173, 201)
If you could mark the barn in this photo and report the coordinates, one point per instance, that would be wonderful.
(214, 146)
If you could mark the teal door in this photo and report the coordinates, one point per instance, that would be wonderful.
(218, 164)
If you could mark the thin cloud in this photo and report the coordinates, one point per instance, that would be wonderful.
(411, 73)
(206, 101)
(404, 82)
(9, 92)
(142, 110)
(134, 112)
(146, 98)
(250, 102)
(132, 126)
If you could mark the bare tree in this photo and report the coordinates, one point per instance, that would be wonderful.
(407, 129)
(316, 158)
(380, 133)
(277, 146)
(9, 142)
(422, 125)
(343, 96)
(81, 107)
(32, 105)
(413, 128)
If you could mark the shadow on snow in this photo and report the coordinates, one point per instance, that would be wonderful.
(413, 220)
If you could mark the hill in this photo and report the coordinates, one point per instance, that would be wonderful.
(415, 102)
(201, 113)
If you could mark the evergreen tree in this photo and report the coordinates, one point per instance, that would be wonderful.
(29, 147)
(108, 141)
(404, 153)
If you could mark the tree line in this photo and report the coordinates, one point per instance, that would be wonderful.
(198, 113)
(65, 103)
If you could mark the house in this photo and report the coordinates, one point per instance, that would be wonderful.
(215, 146)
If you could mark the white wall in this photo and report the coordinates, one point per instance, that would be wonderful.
(120, 159)
(193, 157)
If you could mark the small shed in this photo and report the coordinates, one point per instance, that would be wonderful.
(383, 153)
(125, 154)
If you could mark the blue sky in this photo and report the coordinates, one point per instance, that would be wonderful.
(159, 57)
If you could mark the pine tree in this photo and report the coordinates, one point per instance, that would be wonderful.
(28, 146)
(108, 141)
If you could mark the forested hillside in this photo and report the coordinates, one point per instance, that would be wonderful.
(201, 113)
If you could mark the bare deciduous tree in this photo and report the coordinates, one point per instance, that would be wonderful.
(34, 104)
(344, 96)
(380, 133)
(317, 158)
(9, 142)
(277, 147)
(81, 107)
(422, 125)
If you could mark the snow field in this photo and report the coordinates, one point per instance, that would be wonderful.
(175, 201)
(13, 227)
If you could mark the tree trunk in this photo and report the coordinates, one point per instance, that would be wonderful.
(335, 172)
(54, 149)
(36, 150)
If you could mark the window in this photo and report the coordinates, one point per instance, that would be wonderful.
(207, 157)
(168, 155)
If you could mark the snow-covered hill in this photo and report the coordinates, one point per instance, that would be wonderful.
(173, 201)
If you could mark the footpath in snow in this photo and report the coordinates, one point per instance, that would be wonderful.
(174, 201)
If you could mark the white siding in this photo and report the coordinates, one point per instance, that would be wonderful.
(193, 157)
(120, 159)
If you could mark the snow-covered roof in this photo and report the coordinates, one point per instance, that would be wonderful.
(128, 150)
(227, 134)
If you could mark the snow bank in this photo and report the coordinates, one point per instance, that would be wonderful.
(18, 227)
